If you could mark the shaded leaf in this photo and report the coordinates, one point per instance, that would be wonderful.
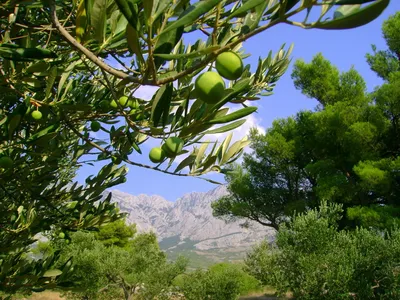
(357, 18)
(132, 38)
(98, 19)
(192, 14)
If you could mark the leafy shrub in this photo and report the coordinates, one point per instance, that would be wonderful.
(221, 281)
(112, 272)
(316, 261)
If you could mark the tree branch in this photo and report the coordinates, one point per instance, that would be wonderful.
(90, 55)
(132, 162)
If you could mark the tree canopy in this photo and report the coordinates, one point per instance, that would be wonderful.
(69, 69)
(345, 151)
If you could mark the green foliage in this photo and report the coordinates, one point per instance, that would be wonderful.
(316, 261)
(262, 263)
(319, 80)
(102, 271)
(345, 151)
(385, 62)
(221, 281)
(116, 233)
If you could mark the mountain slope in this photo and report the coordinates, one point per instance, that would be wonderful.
(188, 224)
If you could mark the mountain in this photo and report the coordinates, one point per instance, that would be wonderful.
(187, 226)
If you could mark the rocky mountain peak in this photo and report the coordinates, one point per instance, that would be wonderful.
(189, 220)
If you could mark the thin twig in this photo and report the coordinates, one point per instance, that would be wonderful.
(122, 63)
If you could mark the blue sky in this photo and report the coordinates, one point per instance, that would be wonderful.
(344, 49)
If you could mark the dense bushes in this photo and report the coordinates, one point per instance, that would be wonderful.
(221, 281)
(103, 270)
(314, 260)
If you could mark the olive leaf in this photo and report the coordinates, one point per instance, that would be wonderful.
(355, 17)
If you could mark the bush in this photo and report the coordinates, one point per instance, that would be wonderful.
(316, 261)
(222, 281)
(111, 272)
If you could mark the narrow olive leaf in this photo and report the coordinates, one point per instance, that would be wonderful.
(226, 143)
(165, 43)
(50, 81)
(89, 7)
(231, 152)
(226, 128)
(148, 11)
(188, 161)
(345, 10)
(252, 19)
(194, 129)
(44, 140)
(167, 104)
(245, 7)
(234, 116)
(81, 21)
(126, 8)
(155, 111)
(22, 54)
(2, 121)
(99, 19)
(234, 151)
(222, 112)
(192, 14)
(132, 38)
(43, 132)
(65, 76)
(161, 102)
(235, 157)
(161, 8)
(136, 147)
(194, 108)
(40, 66)
(216, 169)
(289, 5)
(201, 152)
(350, 2)
(14, 122)
(239, 87)
(358, 18)
(188, 55)
(178, 115)
(208, 162)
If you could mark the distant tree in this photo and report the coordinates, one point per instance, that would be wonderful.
(116, 233)
(386, 62)
(346, 151)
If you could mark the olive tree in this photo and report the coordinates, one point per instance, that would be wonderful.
(71, 68)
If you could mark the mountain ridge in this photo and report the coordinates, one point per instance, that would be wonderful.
(188, 224)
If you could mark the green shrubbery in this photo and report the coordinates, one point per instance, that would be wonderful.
(102, 270)
(222, 281)
(314, 260)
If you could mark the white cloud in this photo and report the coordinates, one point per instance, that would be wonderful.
(145, 92)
